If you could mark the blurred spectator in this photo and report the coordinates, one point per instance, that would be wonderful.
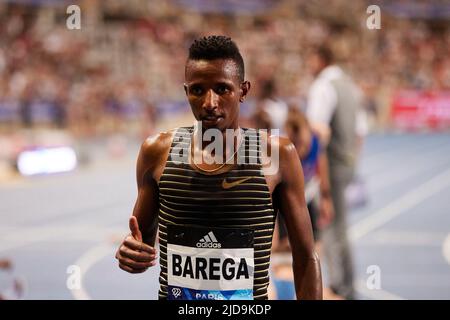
(317, 195)
(333, 105)
(261, 120)
(11, 287)
(268, 105)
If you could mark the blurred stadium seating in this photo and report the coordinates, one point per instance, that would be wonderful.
(127, 60)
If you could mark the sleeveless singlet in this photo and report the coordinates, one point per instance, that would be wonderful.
(229, 216)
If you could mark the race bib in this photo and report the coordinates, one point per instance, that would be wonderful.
(209, 263)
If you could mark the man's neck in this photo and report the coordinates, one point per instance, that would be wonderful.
(231, 139)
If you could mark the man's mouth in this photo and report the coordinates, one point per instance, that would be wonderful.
(211, 118)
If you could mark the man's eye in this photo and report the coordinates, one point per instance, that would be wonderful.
(222, 89)
(196, 91)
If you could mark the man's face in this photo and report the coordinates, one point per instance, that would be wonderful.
(214, 91)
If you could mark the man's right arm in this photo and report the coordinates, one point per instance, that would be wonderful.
(137, 251)
(146, 206)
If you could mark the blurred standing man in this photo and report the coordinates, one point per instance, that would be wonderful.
(268, 103)
(216, 219)
(333, 106)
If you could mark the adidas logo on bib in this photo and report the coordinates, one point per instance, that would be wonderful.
(209, 241)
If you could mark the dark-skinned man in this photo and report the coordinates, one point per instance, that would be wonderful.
(214, 212)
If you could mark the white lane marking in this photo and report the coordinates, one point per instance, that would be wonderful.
(392, 210)
(85, 262)
(400, 205)
(17, 237)
(373, 164)
(376, 294)
(446, 248)
(389, 177)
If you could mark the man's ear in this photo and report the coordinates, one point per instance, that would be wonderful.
(245, 88)
(185, 86)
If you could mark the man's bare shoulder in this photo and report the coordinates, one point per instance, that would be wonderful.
(158, 142)
(156, 146)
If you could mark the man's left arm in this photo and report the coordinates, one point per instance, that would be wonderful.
(306, 264)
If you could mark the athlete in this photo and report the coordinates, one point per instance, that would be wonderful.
(315, 170)
(214, 212)
(317, 195)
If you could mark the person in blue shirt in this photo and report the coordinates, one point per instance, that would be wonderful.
(317, 194)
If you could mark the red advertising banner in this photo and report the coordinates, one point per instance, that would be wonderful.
(414, 109)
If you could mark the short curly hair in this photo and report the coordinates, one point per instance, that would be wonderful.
(217, 47)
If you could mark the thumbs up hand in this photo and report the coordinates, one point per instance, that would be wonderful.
(134, 228)
(134, 255)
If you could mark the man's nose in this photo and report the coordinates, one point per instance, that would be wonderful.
(211, 100)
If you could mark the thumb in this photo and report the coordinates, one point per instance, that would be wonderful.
(134, 227)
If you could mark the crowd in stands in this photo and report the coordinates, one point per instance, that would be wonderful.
(92, 79)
